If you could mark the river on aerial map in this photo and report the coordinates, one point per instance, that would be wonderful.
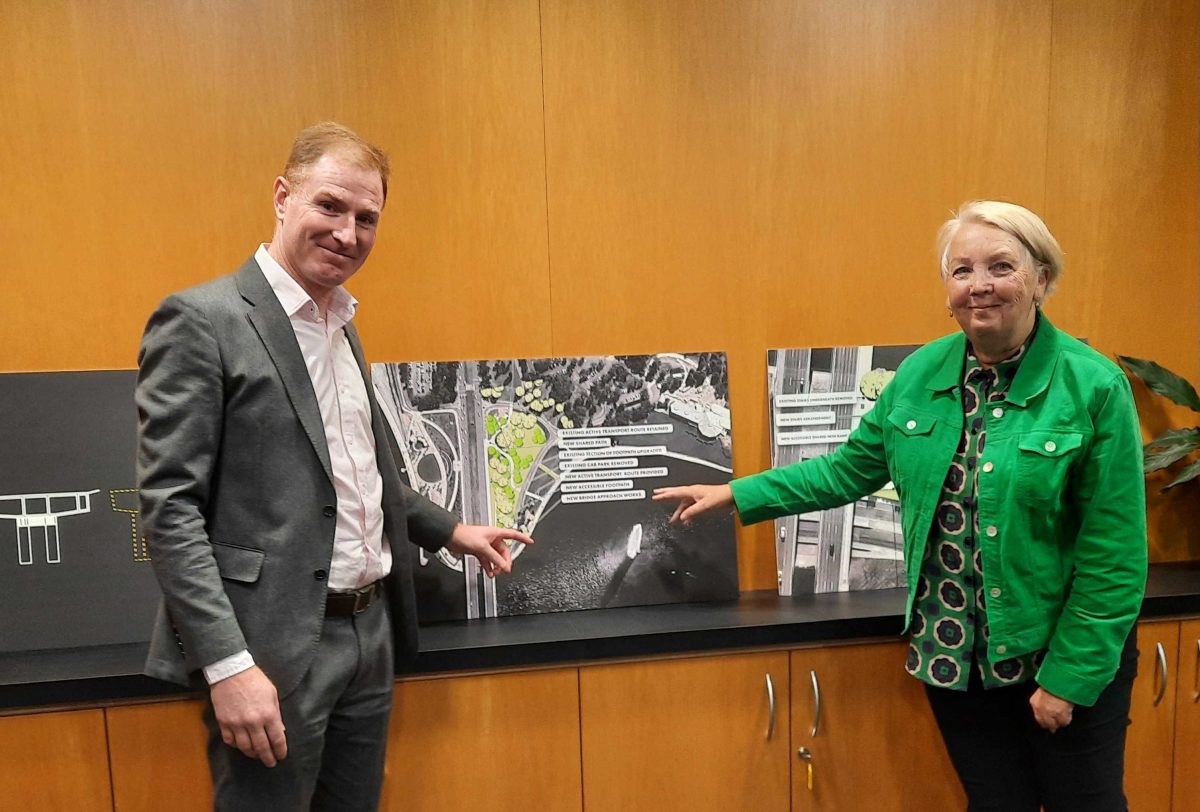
(581, 559)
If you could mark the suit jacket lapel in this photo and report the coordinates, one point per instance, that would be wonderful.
(275, 329)
(377, 427)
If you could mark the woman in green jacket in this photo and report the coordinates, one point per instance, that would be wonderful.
(1016, 453)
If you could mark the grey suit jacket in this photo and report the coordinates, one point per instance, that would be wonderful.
(237, 496)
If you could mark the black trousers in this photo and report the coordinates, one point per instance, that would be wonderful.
(1006, 762)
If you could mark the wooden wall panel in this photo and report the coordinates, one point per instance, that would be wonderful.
(501, 741)
(461, 269)
(142, 140)
(583, 176)
(158, 757)
(54, 761)
(746, 175)
(578, 176)
(1122, 198)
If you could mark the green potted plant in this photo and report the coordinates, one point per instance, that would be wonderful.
(1173, 445)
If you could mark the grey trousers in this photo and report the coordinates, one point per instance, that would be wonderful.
(336, 722)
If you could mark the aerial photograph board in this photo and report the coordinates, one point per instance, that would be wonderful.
(818, 395)
(567, 450)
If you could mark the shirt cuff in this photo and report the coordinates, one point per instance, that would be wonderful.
(228, 666)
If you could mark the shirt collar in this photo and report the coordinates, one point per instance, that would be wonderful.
(1004, 370)
(1000, 377)
(294, 299)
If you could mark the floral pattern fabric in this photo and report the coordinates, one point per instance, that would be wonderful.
(949, 630)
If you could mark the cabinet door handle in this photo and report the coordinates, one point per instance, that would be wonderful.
(1196, 679)
(816, 725)
(1161, 654)
(770, 708)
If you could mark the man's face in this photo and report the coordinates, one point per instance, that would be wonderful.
(325, 222)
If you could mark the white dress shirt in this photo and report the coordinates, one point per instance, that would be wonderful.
(361, 554)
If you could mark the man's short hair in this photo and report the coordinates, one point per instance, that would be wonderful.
(320, 139)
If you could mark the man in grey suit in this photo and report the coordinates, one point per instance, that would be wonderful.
(272, 501)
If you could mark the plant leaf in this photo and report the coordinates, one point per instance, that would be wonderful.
(1163, 381)
(1189, 473)
(1169, 447)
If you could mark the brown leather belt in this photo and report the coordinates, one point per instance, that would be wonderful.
(349, 604)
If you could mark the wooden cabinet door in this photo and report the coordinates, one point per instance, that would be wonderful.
(496, 742)
(1151, 738)
(1186, 789)
(54, 761)
(158, 757)
(689, 734)
(876, 745)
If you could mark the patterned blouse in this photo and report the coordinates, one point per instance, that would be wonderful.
(949, 629)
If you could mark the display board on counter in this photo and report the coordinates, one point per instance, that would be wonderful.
(818, 395)
(565, 448)
(568, 450)
(74, 569)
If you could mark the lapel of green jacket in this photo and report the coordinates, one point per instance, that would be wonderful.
(947, 373)
(1033, 376)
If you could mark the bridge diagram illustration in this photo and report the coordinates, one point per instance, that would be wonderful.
(36, 516)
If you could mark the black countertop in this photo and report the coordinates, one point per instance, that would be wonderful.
(758, 619)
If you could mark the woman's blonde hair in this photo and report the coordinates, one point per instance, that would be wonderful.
(1043, 251)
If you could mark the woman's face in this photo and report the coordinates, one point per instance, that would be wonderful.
(991, 287)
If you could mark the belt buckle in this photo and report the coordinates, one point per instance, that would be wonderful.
(363, 599)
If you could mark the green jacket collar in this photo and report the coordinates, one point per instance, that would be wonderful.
(1032, 378)
(949, 374)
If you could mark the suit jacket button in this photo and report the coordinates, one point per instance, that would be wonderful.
(320, 575)
(329, 511)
